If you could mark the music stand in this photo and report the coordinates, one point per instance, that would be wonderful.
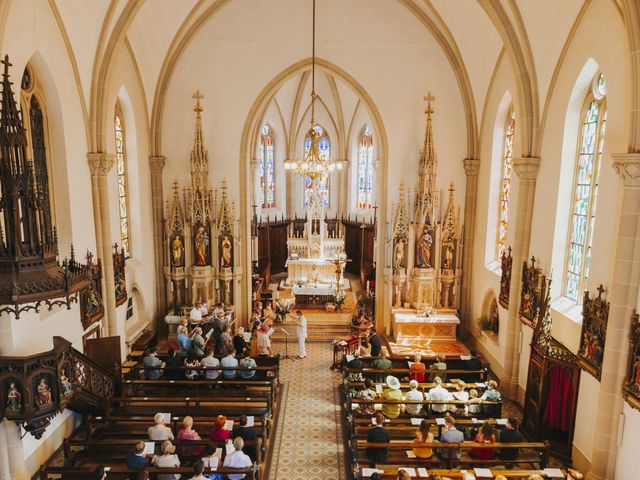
(286, 345)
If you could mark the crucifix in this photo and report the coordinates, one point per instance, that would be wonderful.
(197, 96)
(429, 98)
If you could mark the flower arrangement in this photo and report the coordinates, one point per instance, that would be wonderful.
(282, 309)
(338, 299)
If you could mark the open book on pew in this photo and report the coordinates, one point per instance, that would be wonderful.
(228, 425)
(483, 473)
(150, 448)
(367, 472)
(416, 421)
(465, 357)
(553, 473)
(270, 332)
(501, 421)
(373, 421)
(229, 448)
(250, 421)
(166, 417)
(247, 337)
(208, 334)
(378, 388)
(349, 358)
(212, 461)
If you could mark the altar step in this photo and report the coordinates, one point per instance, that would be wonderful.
(321, 327)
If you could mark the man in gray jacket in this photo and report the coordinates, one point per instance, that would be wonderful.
(151, 360)
(450, 435)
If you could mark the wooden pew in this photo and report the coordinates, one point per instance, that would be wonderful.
(534, 453)
(427, 412)
(392, 474)
(401, 427)
(118, 472)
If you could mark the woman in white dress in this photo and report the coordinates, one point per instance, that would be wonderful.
(168, 459)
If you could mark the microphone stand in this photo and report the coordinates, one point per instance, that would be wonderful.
(286, 345)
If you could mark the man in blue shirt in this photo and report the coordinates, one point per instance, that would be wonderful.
(229, 361)
(450, 435)
(247, 362)
(139, 459)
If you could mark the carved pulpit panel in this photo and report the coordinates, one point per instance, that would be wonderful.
(595, 316)
(119, 279)
(505, 278)
(91, 302)
(631, 386)
(532, 294)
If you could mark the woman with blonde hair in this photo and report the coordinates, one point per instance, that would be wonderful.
(188, 434)
(167, 459)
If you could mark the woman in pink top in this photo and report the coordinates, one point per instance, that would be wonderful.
(218, 432)
(188, 434)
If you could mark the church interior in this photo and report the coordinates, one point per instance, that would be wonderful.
(319, 239)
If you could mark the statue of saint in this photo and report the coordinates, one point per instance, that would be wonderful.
(398, 254)
(177, 251)
(14, 398)
(226, 251)
(43, 397)
(202, 244)
(448, 253)
(423, 250)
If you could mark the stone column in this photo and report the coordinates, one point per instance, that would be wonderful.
(156, 165)
(291, 193)
(623, 295)
(5, 471)
(343, 176)
(15, 451)
(100, 164)
(527, 171)
(471, 170)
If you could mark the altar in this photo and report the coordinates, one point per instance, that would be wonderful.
(310, 270)
(313, 295)
(409, 326)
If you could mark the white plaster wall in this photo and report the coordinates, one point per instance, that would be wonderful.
(390, 56)
(626, 465)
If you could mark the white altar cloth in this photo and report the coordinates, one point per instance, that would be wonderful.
(311, 290)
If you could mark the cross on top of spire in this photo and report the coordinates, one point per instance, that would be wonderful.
(429, 98)
(197, 96)
(6, 64)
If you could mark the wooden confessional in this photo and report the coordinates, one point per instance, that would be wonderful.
(552, 391)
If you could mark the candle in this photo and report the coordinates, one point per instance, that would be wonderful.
(367, 286)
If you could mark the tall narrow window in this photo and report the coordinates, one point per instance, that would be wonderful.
(365, 169)
(585, 190)
(121, 171)
(34, 122)
(266, 160)
(324, 150)
(505, 181)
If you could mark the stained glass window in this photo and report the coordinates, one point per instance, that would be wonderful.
(121, 172)
(266, 160)
(365, 169)
(585, 191)
(505, 182)
(324, 150)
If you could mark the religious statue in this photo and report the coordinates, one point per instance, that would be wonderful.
(226, 251)
(14, 398)
(177, 251)
(64, 382)
(43, 396)
(423, 250)
(595, 313)
(202, 244)
(398, 254)
(448, 254)
(314, 276)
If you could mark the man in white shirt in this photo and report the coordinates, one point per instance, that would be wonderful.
(237, 459)
(204, 310)
(438, 393)
(414, 394)
(301, 331)
(195, 315)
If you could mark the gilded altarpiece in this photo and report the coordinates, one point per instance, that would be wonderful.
(506, 263)
(426, 241)
(631, 387)
(532, 294)
(595, 316)
(200, 235)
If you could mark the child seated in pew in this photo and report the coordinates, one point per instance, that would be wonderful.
(473, 406)
(188, 434)
(193, 363)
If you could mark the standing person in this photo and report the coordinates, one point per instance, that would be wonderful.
(376, 343)
(239, 344)
(378, 434)
(195, 315)
(301, 331)
(198, 343)
(185, 343)
(173, 364)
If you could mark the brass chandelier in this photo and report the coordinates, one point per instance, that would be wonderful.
(312, 165)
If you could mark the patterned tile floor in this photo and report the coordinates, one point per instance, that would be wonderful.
(308, 443)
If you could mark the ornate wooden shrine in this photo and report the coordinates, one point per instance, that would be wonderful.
(553, 380)
(631, 387)
(595, 315)
(506, 263)
(532, 294)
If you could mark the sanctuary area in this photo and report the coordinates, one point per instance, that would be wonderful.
(319, 239)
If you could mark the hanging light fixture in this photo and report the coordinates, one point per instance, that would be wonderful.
(312, 165)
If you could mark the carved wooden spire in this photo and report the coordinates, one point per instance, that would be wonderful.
(426, 199)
